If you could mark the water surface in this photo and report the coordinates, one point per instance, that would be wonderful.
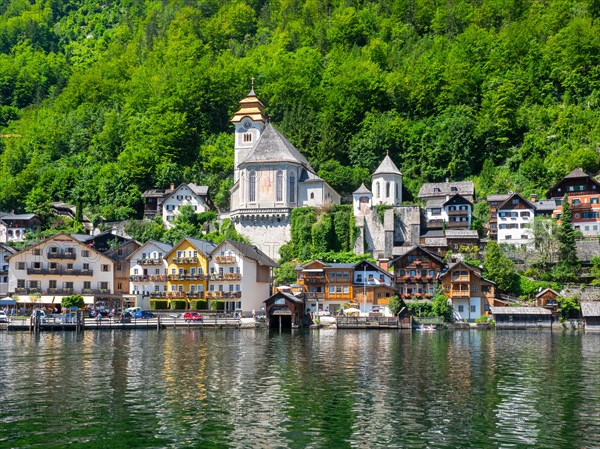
(319, 389)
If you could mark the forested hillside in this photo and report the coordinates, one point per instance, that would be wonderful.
(113, 97)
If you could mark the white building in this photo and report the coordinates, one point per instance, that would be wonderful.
(373, 287)
(386, 183)
(515, 216)
(14, 227)
(5, 251)
(60, 266)
(452, 212)
(185, 195)
(271, 177)
(148, 271)
(240, 274)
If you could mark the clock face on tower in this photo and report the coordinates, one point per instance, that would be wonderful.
(247, 124)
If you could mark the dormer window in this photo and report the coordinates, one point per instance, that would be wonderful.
(436, 190)
(454, 189)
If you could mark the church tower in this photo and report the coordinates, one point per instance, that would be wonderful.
(387, 183)
(249, 122)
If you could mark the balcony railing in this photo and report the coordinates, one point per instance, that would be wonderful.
(61, 255)
(225, 259)
(150, 261)
(185, 277)
(148, 278)
(174, 295)
(185, 260)
(458, 224)
(61, 291)
(581, 206)
(309, 279)
(461, 293)
(59, 272)
(414, 279)
(219, 294)
(225, 277)
(460, 279)
(458, 213)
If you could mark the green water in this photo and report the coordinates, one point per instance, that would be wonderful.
(320, 389)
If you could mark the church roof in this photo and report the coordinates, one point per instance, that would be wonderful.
(387, 166)
(272, 146)
(251, 107)
(362, 189)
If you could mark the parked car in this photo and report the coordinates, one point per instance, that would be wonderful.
(104, 312)
(142, 314)
(125, 317)
(192, 316)
(3, 317)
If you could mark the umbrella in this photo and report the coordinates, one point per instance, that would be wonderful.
(7, 302)
(351, 310)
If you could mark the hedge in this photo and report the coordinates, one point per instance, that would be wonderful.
(217, 304)
(178, 304)
(159, 304)
(199, 304)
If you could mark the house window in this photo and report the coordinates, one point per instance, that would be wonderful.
(37, 252)
(473, 288)
(279, 186)
(461, 309)
(87, 285)
(86, 266)
(473, 309)
(292, 187)
(312, 195)
(346, 289)
(85, 253)
(388, 186)
(252, 187)
(20, 265)
(105, 268)
(51, 284)
(101, 285)
(436, 211)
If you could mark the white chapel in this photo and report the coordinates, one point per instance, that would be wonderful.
(271, 177)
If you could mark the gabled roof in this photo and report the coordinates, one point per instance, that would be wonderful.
(11, 216)
(590, 309)
(434, 256)
(250, 252)
(387, 166)
(8, 249)
(204, 246)
(545, 205)
(434, 203)
(430, 189)
(472, 269)
(577, 173)
(165, 247)
(498, 198)
(272, 146)
(198, 190)
(324, 265)
(286, 296)
(457, 199)
(374, 267)
(362, 190)
(461, 234)
(520, 310)
(547, 290)
(60, 234)
(508, 202)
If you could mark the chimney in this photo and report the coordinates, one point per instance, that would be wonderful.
(172, 186)
(384, 264)
(533, 197)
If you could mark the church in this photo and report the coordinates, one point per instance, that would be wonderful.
(271, 177)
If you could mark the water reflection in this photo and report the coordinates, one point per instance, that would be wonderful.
(323, 388)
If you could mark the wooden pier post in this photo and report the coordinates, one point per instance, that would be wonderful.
(158, 322)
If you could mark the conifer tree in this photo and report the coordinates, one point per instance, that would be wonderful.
(566, 236)
(499, 268)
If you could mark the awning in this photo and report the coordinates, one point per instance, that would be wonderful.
(49, 299)
(7, 302)
(88, 300)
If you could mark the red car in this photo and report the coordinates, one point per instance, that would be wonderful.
(192, 316)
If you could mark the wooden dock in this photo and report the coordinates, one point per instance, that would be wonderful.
(382, 322)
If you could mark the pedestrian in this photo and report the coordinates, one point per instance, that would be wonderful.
(99, 318)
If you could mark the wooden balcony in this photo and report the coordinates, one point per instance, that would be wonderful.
(185, 277)
(582, 207)
(225, 277)
(150, 261)
(458, 213)
(458, 224)
(461, 293)
(61, 255)
(59, 272)
(185, 260)
(314, 279)
(220, 294)
(222, 260)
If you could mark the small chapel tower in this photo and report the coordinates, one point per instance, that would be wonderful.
(387, 183)
(249, 122)
(362, 200)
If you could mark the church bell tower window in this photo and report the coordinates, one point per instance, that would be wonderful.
(279, 186)
(247, 137)
(252, 187)
(292, 187)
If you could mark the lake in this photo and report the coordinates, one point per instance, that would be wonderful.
(305, 389)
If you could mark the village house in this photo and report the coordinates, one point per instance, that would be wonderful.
(590, 314)
(327, 285)
(583, 194)
(373, 287)
(240, 275)
(148, 272)
(5, 252)
(14, 227)
(548, 298)
(417, 273)
(521, 317)
(165, 203)
(471, 295)
(120, 255)
(452, 212)
(61, 266)
(187, 266)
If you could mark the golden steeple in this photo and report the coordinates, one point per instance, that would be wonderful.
(250, 107)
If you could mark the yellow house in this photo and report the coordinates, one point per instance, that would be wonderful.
(187, 269)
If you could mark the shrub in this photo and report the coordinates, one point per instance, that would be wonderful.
(441, 307)
(178, 304)
(159, 304)
(199, 304)
(220, 304)
(395, 305)
(72, 301)
(485, 319)
(420, 308)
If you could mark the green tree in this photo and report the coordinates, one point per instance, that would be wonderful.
(441, 305)
(499, 268)
(285, 274)
(72, 301)
(395, 305)
(568, 264)
(569, 307)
